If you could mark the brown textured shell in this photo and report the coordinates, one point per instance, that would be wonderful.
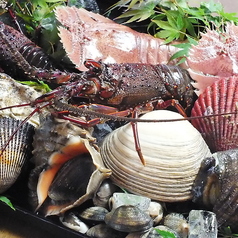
(217, 186)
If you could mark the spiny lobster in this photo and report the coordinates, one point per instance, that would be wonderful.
(131, 88)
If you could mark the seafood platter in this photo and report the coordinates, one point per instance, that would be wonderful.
(148, 141)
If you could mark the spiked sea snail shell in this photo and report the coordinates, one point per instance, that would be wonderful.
(213, 57)
(172, 151)
(86, 35)
(72, 171)
(216, 186)
(219, 132)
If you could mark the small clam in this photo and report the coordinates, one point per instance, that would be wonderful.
(119, 199)
(93, 214)
(156, 212)
(219, 132)
(128, 218)
(103, 231)
(17, 152)
(105, 191)
(172, 151)
(71, 221)
(72, 166)
(216, 186)
(177, 223)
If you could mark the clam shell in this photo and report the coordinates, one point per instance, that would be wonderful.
(104, 231)
(172, 152)
(219, 132)
(17, 152)
(128, 218)
(178, 223)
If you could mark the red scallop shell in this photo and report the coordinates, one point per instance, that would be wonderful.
(220, 132)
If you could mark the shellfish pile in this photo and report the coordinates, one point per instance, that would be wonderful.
(173, 151)
(68, 167)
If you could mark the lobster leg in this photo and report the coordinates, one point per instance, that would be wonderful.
(109, 111)
(171, 102)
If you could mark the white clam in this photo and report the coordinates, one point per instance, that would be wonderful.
(172, 151)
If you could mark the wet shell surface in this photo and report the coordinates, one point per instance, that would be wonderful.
(172, 151)
(14, 93)
(217, 186)
(17, 152)
(128, 218)
(220, 132)
(71, 169)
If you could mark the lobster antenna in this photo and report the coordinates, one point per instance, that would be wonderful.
(20, 125)
(60, 106)
(13, 106)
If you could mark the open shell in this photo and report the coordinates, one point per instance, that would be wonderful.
(72, 169)
(17, 152)
(172, 151)
(219, 132)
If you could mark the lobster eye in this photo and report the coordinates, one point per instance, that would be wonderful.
(93, 66)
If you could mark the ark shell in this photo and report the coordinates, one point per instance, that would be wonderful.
(220, 132)
(17, 152)
(172, 152)
(214, 56)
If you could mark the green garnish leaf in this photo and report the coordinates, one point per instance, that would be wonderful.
(39, 86)
(7, 201)
(165, 234)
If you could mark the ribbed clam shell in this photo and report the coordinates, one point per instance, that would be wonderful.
(172, 152)
(17, 151)
(220, 132)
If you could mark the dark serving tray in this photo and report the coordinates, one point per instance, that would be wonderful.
(27, 224)
(23, 222)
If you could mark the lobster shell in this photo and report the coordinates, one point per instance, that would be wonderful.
(214, 56)
(86, 35)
